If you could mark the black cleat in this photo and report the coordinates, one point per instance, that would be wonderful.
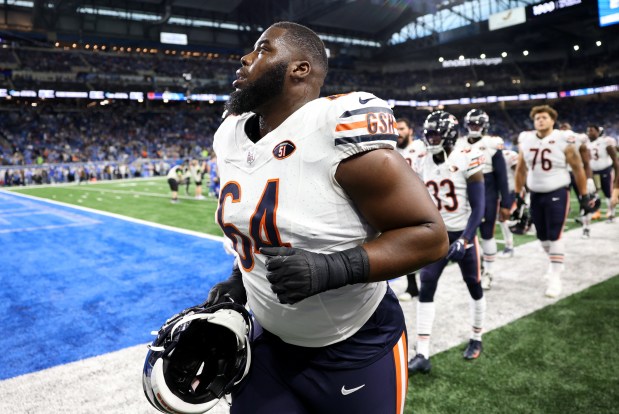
(419, 364)
(473, 349)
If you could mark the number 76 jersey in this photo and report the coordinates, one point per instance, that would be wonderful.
(545, 159)
(447, 183)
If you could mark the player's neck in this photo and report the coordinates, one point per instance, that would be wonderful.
(543, 133)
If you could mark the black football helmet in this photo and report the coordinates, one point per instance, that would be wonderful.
(477, 122)
(199, 355)
(440, 130)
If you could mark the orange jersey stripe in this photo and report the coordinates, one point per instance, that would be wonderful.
(350, 126)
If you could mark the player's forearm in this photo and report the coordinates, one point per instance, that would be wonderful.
(584, 156)
(500, 173)
(401, 251)
(519, 179)
(581, 180)
(477, 201)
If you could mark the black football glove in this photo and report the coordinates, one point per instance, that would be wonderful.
(589, 203)
(456, 251)
(230, 289)
(296, 274)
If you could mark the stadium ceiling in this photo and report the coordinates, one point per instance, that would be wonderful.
(393, 29)
(381, 22)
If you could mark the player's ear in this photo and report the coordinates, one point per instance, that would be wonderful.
(300, 69)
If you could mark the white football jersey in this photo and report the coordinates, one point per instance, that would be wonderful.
(600, 158)
(447, 184)
(511, 159)
(545, 159)
(282, 191)
(415, 149)
(488, 145)
(578, 140)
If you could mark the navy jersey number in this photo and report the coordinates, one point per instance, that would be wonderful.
(263, 230)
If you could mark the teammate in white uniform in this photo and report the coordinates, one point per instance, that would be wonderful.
(411, 149)
(454, 178)
(317, 205)
(604, 164)
(581, 142)
(511, 159)
(477, 123)
(543, 157)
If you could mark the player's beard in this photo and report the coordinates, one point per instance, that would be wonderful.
(258, 92)
(403, 143)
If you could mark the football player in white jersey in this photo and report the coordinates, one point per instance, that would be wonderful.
(511, 159)
(318, 207)
(604, 163)
(543, 157)
(581, 142)
(454, 178)
(477, 122)
(411, 149)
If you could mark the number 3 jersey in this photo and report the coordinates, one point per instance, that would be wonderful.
(447, 184)
(545, 159)
(281, 191)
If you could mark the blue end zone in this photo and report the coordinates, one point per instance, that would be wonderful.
(77, 284)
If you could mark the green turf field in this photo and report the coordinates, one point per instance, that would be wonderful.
(561, 359)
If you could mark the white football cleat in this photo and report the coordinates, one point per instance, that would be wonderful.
(507, 253)
(553, 288)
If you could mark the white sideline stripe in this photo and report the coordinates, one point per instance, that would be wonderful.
(120, 217)
(81, 183)
(130, 193)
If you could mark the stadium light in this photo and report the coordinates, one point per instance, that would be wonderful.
(468, 85)
(504, 54)
(576, 48)
(482, 56)
(423, 87)
(461, 57)
(525, 52)
(441, 59)
(598, 43)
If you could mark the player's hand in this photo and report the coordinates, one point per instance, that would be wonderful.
(230, 289)
(587, 203)
(504, 214)
(296, 274)
(456, 251)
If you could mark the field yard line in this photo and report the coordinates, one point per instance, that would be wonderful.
(83, 183)
(127, 192)
(117, 216)
(111, 383)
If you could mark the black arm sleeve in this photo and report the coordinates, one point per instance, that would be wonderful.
(500, 175)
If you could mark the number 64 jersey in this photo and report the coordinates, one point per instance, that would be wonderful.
(545, 159)
(281, 191)
(447, 184)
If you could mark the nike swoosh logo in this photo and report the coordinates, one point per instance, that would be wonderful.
(350, 391)
(555, 199)
(364, 101)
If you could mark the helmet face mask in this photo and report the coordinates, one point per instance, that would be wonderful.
(199, 355)
(477, 123)
(440, 131)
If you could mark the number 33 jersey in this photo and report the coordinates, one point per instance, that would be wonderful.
(545, 159)
(281, 191)
(447, 185)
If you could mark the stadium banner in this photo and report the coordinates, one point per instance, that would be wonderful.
(507, 18)
(608, 12)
